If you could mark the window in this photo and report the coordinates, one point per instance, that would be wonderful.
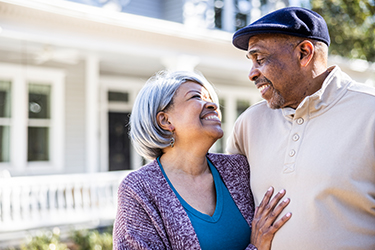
(232, 15)
(39, 122)
(118, 96)
(31, 119)
(242, 13)
(218, 7)
(5, 95)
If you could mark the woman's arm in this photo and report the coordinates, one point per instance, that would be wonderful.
(134, 228)
(265, 225)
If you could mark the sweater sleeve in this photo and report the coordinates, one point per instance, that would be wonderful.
(134, 228)
(251, 247)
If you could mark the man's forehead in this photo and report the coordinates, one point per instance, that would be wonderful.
(267, 41)
(256, 44)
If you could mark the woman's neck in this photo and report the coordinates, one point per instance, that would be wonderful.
(188, 162)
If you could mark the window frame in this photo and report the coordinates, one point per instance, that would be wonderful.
(20, 77)
(116, 84)
(6, 121)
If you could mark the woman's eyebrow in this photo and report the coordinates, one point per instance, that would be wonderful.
(193, 91)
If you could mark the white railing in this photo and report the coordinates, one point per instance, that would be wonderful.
(45, 201)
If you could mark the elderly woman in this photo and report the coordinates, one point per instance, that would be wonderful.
(187, 198)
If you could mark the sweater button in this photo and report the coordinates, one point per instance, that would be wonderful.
(300, 121)
(295, 137)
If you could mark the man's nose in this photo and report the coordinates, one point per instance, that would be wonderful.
(254, 74)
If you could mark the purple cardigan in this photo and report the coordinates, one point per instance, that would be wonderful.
(150, 216)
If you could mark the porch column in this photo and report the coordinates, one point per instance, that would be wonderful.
(19, 111)
(92, 114)
(228, 16)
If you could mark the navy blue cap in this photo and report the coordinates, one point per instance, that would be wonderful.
(293, 21)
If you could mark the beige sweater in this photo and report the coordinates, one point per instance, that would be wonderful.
(323, 154)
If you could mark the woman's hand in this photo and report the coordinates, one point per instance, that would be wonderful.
(264, 225)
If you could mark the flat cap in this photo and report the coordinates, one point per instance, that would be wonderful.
(294, 21)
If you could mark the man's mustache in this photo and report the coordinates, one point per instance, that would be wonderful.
(262, 80)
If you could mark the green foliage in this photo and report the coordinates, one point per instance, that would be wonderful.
(79, 240)
(351, 25)
(92, 240)
(45, 240)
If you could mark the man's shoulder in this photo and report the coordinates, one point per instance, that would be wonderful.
(362, 96)
(258, 106)
(255, 112)
(255, 108)
(362, 89)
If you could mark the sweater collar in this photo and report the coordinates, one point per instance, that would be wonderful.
(333, 88)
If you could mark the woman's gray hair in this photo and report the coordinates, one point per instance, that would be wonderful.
(147, 137)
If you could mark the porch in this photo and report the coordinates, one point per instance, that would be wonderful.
(33, 202)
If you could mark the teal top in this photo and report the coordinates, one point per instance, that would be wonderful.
(226, 228)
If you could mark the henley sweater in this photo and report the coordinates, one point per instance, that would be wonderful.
(323, 154)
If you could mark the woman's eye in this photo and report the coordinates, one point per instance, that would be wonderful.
(196, 96)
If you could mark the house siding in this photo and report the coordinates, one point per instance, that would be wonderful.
(173, 10)
(149, 8)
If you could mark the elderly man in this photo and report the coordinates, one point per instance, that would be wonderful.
(314, 134)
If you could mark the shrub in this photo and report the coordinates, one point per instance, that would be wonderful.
(79, 240)
(45, 240)
(92, 240)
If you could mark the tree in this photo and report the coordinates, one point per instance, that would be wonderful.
(351, 25)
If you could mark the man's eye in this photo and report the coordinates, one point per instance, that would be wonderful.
(259, 61)
(196, 96)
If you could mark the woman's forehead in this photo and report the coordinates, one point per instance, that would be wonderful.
(192, 85)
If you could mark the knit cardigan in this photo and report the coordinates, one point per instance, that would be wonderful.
(150, 216)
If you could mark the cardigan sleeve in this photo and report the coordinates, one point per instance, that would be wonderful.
(251, 247)
(133, 228)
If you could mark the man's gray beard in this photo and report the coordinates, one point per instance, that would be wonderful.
(277, 101)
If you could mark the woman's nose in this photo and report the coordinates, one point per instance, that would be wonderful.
(211, 105)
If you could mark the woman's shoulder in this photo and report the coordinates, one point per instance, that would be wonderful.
(230, 164)
(145, 175)
(234, 158)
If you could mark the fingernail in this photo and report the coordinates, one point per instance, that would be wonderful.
(288, 214)
(282, 191)
(286, 200)
(270, 189)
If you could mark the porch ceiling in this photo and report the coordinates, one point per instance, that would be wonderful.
(125, 44)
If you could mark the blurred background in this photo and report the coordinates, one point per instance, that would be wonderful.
(69, 74)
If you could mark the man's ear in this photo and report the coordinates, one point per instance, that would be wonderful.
(163, 121)
(306, 52)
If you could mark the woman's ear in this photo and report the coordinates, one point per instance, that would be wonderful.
(163, 121)
(306, 52)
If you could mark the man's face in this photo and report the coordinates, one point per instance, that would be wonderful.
(275, 71)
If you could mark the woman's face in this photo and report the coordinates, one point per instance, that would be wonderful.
(193, 115)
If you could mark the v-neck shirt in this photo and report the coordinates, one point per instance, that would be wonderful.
(226, 228)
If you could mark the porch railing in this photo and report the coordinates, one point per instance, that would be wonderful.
(52, 200)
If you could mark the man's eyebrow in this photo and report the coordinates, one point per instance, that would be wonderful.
(251, 52)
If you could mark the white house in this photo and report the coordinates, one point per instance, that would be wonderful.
(69, 74)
